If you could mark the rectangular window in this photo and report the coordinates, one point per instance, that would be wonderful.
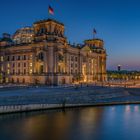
(18, 64)
(18, 71)
(13, 65)
(24, 71)
(71, 58)
(13, 71)
(8, 58)
(18, 57)
(71, 70)
(24, 64)
(24, 57)
(13, 58)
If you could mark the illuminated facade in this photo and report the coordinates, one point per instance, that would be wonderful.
(42, 55)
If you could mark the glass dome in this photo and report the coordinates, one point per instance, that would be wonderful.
(23, 35)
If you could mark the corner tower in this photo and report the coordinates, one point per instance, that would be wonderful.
(98, 43)
(97, 47)
(49, 30)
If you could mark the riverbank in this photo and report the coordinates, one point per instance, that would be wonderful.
(41, 98)
(39, 107)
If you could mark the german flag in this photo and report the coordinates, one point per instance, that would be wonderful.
(94, 31)
(50, 10)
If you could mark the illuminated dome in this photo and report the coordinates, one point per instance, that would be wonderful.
(23, 35)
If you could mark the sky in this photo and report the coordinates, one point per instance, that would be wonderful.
(117, 22)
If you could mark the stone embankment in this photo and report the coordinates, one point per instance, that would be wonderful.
(39, 98)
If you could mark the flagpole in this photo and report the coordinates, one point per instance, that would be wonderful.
(94, 33)
(48, 12)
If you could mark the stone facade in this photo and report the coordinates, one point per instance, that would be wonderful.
(42, 55)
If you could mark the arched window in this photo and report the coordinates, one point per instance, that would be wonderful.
(41, 56)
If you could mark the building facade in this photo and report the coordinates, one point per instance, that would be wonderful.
(41, 54)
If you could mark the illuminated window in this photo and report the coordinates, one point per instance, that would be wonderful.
(1, 68)
(8, 71)
(8, 65)
(41, 69)
(31, 56)
(1, 59)
(7, 80)
(31, 64)
(31, 71)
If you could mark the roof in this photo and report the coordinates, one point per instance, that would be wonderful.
(95, 39)
(47, 20)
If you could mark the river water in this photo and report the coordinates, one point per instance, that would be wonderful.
(92, 123)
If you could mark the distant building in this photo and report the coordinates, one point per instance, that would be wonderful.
(123, 75)
(42, 55)
(119, 67)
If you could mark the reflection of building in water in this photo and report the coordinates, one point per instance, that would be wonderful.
(132, 108)
(42, 55)
(60, 125)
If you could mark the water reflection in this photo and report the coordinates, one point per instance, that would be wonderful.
(136, 108)
(94, 123)
(127, 108)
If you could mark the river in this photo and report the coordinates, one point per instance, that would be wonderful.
(120, 122)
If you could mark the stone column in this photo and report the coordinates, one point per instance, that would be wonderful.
(34, 62)
(51, 59)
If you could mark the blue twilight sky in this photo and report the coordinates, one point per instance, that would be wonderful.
(116, 21)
